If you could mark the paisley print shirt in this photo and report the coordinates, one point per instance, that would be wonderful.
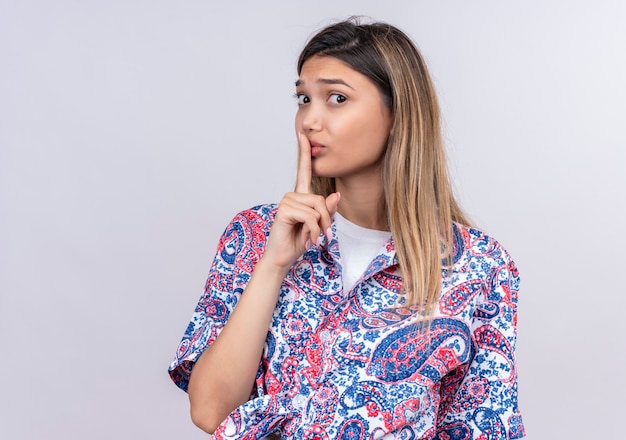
(355, 364)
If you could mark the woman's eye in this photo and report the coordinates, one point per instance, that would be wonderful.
(302, 99)
(336, 98)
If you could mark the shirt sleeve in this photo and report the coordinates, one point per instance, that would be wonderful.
(239, 249)
(479, 401)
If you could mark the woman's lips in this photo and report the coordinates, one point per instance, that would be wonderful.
(316, 149)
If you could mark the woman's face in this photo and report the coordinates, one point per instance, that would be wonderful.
(342, 114)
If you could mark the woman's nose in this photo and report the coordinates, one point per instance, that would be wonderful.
(312, 118)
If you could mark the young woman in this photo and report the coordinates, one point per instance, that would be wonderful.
(362, 306)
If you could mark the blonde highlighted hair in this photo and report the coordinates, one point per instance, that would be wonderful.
(418, 203)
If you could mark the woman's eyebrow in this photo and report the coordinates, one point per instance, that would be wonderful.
(327, 81)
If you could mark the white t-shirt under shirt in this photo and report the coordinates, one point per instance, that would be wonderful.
(357, 246)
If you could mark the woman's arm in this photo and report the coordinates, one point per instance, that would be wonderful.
(223, 376)
(485, 401)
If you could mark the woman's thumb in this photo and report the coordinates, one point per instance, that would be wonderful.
(332, 201)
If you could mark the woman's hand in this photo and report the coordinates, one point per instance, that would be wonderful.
(302, 216)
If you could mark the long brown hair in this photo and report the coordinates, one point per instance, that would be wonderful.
(418, 201)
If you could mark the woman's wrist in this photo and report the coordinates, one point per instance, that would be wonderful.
(268, 267)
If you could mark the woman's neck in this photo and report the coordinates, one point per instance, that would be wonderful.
(361, 202)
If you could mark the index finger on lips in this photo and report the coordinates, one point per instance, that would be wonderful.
(303, 178)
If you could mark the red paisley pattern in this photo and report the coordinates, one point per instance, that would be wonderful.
(352, 364)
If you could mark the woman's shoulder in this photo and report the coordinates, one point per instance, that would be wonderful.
(474, 246)
(256, 218)
(262, 212)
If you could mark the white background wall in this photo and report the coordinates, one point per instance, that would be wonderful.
(132, 131)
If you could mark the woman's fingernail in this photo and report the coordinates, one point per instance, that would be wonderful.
(329, 234)
(307, 245)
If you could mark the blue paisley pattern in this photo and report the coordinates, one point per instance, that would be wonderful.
(358, 364)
